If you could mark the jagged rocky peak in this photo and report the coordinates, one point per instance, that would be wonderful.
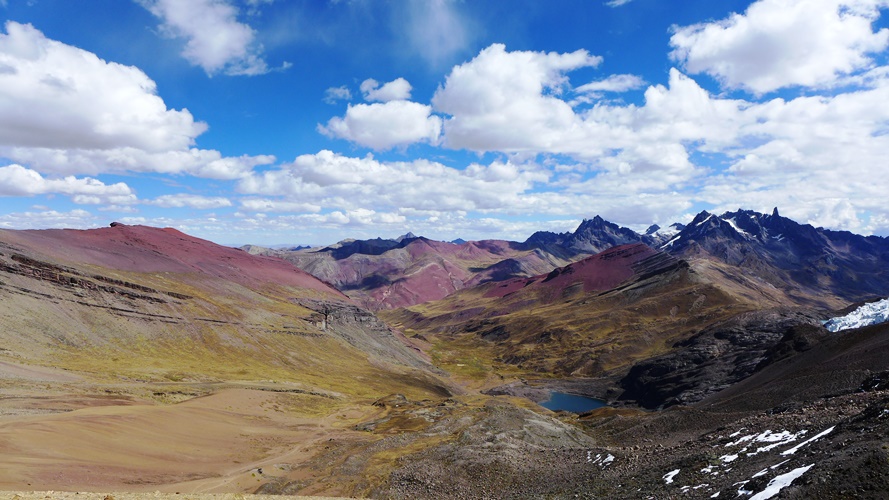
(407, 236)
(591, 236)
(699, 219)
(652, 229)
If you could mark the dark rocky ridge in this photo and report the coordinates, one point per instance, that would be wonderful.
(720, 356)
(798, 258)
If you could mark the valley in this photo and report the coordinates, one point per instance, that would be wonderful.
(136, 359)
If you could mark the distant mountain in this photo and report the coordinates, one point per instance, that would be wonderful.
(384, 274)
(793, 262)
(591, 236)
(813, 265)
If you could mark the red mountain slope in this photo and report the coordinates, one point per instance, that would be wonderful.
(419, 271)
(600, 272)
(154, 250)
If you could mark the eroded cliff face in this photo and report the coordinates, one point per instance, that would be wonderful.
(363, 330)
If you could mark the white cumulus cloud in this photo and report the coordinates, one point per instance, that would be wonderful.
(64, 110)
(508, 101)
(43, 219)
(197, 162)
(396, 90)
(58, 96)
(215, 40)
(783, 43)
(338, 182)
(16, 180)
(385, 125)
(272, 205)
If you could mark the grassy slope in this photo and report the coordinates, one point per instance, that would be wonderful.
(578, 334)
(213, 330)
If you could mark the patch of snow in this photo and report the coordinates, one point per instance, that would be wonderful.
(668, 477)
(731, 222)
(669, 243)
(728, 458)
(737, 433)
(807, 441)
(780, 482)
(777, 439)
(741, 490)
(715, 495)
(779, 464)
(667, 232)
(761, 473)
(600, 460)
(778, 238)
(742, 439)
(868, 314)
(709, 470)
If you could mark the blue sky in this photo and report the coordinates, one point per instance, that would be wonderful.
(306, 122)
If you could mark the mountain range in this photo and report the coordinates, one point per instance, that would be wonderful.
(135, 358)
(798, 260)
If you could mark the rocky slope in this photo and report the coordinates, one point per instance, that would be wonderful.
(719, 356)
(812, 424)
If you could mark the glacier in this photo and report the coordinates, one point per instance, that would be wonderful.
(868, 314)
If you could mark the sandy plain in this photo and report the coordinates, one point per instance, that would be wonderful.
(78, 437)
